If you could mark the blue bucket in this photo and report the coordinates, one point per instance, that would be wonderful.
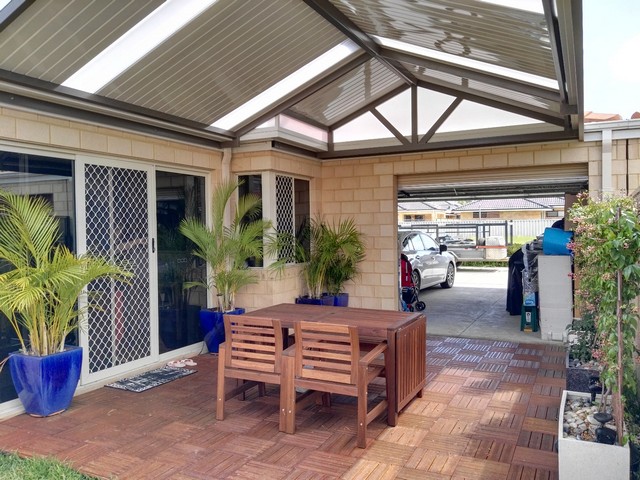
(554, 241)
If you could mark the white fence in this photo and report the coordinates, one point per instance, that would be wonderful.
(474, 230)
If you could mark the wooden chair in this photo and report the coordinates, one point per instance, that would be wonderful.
(327, 358)
(252, 352)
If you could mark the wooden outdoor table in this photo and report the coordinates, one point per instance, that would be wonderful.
(405, 333)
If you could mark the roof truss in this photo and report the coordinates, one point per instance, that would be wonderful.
(357, 86)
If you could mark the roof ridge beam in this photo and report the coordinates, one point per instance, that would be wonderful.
(473, 74)
(283, 105)
(343, 23)
(512, 106)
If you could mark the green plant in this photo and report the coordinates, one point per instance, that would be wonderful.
(331, 254)
(339, 247)
(586, 339)
(513, 248)
(41, 280)
(226, 247)
(287, 248)
(606, 249)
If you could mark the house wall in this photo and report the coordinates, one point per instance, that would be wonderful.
(71, 137)
(364, 188)
(625, 166)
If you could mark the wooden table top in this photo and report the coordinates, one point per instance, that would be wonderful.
(370, 322)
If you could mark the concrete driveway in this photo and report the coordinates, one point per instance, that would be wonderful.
(475, 308)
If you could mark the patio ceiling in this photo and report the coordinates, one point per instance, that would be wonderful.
(192, 84)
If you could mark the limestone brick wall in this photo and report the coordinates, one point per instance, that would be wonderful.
(625, 166)
(273, 288)
(29, 129)
(365, 188)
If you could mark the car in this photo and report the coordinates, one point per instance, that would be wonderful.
(430, 261)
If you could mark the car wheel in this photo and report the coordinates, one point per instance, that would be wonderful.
(415, 276)
(451, 276)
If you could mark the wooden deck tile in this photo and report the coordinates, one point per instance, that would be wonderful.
(487, 412)
(530, 457)
(473, 468)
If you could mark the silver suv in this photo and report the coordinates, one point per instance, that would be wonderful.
(430, 261)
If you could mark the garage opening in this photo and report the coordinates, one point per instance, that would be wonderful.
(483, 218)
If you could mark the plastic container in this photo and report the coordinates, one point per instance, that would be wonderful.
(554, 241)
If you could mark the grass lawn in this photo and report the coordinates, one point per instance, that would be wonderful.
(12, 467)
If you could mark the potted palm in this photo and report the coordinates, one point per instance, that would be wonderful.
(226, 247)
(341, 249)
(330, 254)
(40, 283)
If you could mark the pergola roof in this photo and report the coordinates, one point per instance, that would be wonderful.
(527, 63)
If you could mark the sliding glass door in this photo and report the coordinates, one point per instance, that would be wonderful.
(178, 196)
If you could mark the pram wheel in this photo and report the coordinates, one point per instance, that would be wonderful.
(420, 306)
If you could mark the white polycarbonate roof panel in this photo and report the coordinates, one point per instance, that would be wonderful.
(481, 88)
(477, 30)
(349, 93)
(224, 58)
(52, 39)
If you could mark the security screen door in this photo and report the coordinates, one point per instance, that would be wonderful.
(119, 333)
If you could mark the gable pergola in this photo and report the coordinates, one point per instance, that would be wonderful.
(523, 62)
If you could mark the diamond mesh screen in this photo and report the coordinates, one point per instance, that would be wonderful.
(285, 222)
(117, 227)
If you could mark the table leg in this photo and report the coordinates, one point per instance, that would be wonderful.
(390, 368)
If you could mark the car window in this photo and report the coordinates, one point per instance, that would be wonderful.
(416, 242)
(429, 242)
(405, 243)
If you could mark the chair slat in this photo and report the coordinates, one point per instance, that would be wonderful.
(252, 351)
(326, 358)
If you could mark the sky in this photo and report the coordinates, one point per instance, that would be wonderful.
(611, 36)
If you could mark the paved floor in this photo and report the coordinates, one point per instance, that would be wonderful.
(488, 412)
(475, 308)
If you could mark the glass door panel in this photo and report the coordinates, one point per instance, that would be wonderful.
(178, 196)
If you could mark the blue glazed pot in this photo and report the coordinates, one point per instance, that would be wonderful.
(306, 300)
(341, 300)
(212, 327)
(46, 385)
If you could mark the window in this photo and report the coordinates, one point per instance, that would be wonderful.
(415, 242)
(553, 214)
(286, 201)
(486, 215)
(407, 218)
(429, 243)
(52, 179)
(251, 185)
(292, 210)
(419, 217)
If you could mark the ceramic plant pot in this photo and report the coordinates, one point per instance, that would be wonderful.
(212, 326)
(46, 385)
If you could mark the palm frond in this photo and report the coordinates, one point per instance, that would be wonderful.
(40, 291)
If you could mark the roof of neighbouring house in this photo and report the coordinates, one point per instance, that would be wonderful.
(538, 204)
(421, 206)
(590, 117)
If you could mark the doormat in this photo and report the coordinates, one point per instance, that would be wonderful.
(150, 379)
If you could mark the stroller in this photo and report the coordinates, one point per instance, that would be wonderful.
(410, 301)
